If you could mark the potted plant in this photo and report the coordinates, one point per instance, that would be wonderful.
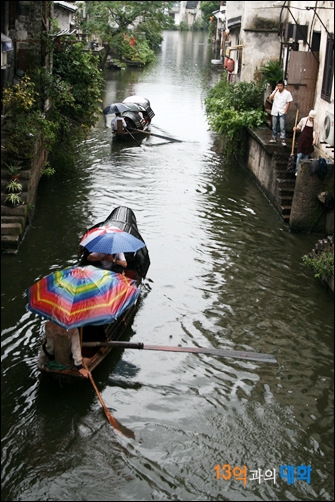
(13, 199)
(272, 72)
(14, 186)
(14, 169)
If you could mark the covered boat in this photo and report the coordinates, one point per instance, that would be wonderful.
(138, 117)
(138, 263)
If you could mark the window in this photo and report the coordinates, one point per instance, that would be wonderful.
(316, 39)
(328, 70)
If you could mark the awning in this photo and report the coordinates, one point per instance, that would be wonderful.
(220, 14)
(6, 43)
(67, 5)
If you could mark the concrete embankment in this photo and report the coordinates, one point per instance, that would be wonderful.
(296, 198)
(16, 219)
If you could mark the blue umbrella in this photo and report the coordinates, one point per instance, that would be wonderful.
(115, 108)
(110, 240)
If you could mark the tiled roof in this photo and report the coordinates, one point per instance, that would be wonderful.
(191, 5)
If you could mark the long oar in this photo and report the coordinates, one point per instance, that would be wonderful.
(139, 144)
(251, 356)
(114, 423)
(157, 135)
(291, 161)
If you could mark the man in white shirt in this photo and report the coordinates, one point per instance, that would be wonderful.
(281, 102)
(115, 121)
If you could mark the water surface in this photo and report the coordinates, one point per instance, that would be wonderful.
(225, 273)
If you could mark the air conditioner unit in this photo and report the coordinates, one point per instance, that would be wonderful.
(328, 129)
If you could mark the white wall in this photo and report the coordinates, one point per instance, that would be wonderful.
(325, 11)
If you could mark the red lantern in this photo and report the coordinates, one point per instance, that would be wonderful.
(230, 65)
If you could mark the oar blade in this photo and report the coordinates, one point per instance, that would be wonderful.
(113, 422)
(119, 427)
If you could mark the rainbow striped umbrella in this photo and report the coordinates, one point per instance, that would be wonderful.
(77, 296)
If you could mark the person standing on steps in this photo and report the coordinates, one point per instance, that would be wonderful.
(282, 98)
(308, 138)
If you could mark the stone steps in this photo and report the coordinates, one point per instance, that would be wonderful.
(23, 195)
(24, 183)
(285, 184)
(14, 219)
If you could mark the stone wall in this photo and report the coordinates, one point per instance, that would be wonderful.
(307, 211)
(262, 165)
(263, 161)
(15, 220)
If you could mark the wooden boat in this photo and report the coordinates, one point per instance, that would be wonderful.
(137, 267)
(138, 117)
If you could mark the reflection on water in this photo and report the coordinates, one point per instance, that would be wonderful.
(225, 273)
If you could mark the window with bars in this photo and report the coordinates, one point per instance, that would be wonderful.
(328, 71)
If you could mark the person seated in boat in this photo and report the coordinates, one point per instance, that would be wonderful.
(63, 347)
(115, 262)
(115, 121)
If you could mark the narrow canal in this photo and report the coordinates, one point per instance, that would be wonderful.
(225, 273)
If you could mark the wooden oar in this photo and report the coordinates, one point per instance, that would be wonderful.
(139, 144)
(291, 160)
(251, 356)
(114, 423)
(157, 135)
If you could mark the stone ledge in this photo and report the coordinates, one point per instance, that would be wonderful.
(21, 210)
(13, 219)
(10, 243)
(11, 229)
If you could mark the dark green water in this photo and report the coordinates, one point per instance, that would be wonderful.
(225, 273)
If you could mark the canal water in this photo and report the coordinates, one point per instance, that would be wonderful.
(225, 273)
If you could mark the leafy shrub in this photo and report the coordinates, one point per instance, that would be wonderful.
(272, 72)
(323, 264)
(230, 107)
(130, 48)
(183, 26)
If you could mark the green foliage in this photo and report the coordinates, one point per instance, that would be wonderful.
(323, 264)
(14, 168)
(200, 24)
(132, 49)
(13, 199)
(230, 107)
(73, 92)
(142, 20)
(272, 72)
(48, 170)
(208, 8)
(14, 186)
(21, 104)
(76, 85)
(183, 26)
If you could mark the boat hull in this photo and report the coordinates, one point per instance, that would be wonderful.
(138, 264)
(138, 117)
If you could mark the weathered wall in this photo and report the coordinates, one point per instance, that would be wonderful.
(264, 160)
(306, 207)
(259, 160)
(266, 43)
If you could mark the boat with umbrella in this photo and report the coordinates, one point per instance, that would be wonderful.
(101, 303)
(137, 113)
